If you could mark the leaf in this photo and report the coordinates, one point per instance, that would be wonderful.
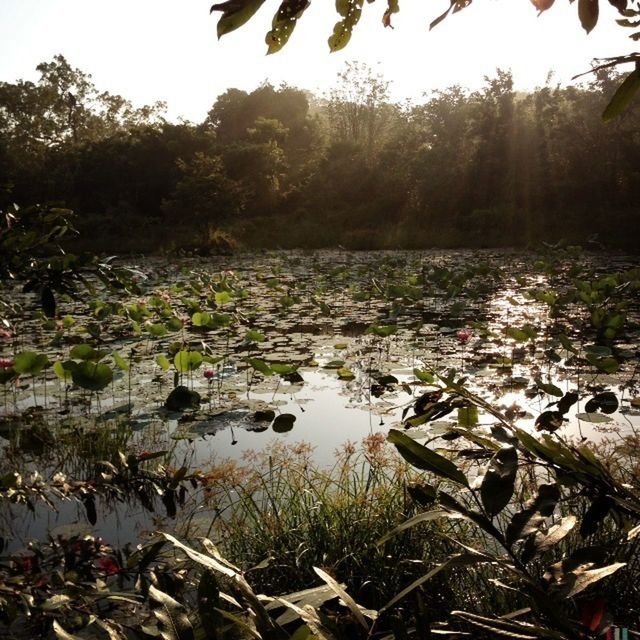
(208, 605)
(549, 388)
(63, 369)
(459, 560)
(556, 533)
(254, 336)
(596, 418)
(86, 352)
(185, 361)
(284, 22)
(222, 297)
(508, 628)
(172, 617)
(542, 5)
(529, 519)
(392, 7)
(55, 602)
(588, 13)
(350, 10)
(260, 365)
(594, 515)
(92, 376)
(590, 576)
(235, 13)
(499, 480)
(283, 369)
(425, 459)
(283, 423)
(606, 364)
(424, 376)
(567, 401)
(442, 16)
(344, 596)
(468, 416)
(606, 402)
(121, 363)
(30, 362)
(61, 634)
(163, 362)
(549, 421)
(426, 516)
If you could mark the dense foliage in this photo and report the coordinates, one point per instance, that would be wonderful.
(281, 167)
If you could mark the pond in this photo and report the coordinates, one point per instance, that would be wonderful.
(202, 360)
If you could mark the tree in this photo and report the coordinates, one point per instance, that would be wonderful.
(358, 109)
(236, 13)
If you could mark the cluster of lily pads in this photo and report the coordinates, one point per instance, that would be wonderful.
(218, 333)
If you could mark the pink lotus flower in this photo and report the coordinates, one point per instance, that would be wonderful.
(208, 373)
(464, 335)
(6, 363)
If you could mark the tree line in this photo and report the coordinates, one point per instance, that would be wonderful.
(280, 167)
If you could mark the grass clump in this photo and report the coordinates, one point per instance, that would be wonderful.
(280, 514)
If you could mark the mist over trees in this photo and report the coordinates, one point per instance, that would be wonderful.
(278, 166)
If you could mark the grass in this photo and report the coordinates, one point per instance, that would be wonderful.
(279, 515)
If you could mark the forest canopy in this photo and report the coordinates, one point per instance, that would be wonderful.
(280, 167)
(236, 13)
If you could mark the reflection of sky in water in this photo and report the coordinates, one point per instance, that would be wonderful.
(330, 411)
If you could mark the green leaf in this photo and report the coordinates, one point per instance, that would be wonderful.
(345, 374)
(549, 388)
(261, 366)
(350, 10)
(157, 330)
(468, 416)
(163, 362)
(283, 369)
(254, 336)
(222, 298)
(606, 364)
(63, 369)
(30, 362)
(92, 375)
(235, 13)
(121, 363)
(185, 361)
(201, 319)
(424, 376)
(425, 459)
(284, 22)
(588, 13)
(384, 331)
(499, 481)
(172, 617)
(86, 352)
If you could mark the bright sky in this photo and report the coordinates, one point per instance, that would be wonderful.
(148, 50)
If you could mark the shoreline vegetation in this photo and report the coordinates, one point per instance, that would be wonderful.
(278, 167)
